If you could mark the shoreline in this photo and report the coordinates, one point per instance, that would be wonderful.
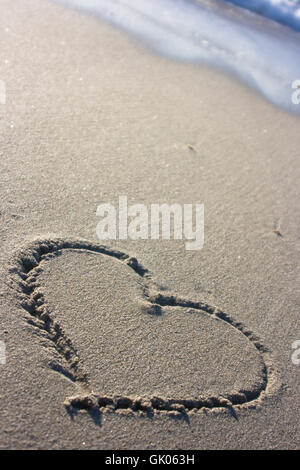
(231, 39)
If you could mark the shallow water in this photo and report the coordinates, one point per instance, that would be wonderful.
(263, 54)
(284, 11)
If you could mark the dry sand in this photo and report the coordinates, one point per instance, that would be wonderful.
(91, 115)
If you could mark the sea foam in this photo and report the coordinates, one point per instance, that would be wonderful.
(263, 54)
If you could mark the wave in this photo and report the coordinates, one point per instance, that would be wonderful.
(263, 54)
(286, 12)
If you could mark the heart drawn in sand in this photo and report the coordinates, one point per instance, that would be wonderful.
(125, 343)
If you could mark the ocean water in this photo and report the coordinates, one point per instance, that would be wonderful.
(284, 11)
(262, 53)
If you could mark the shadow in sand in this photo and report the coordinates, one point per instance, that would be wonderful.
(233, 413)
(182, 416)
(94, 413)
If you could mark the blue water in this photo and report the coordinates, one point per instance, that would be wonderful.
(262, 53)
(286, 12)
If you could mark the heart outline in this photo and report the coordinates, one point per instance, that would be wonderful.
(23, 273)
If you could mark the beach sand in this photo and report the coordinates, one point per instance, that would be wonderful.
(90, 115)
